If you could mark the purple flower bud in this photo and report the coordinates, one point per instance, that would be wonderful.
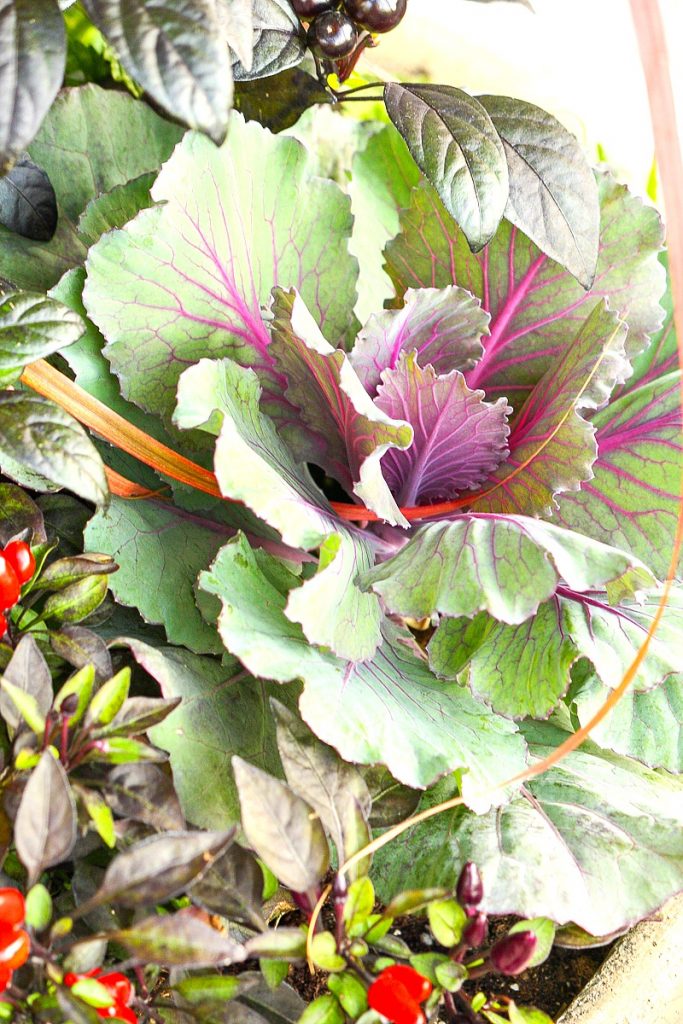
(476, 931)
(69, 705)
(470, 888)
(513, 954)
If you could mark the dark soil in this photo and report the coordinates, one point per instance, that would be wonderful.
(551, 987)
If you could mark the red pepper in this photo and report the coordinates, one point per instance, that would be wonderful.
(3, 625)
(15, 947)
(12, 907)
(9, 585)
(20, 557)
(397, 993)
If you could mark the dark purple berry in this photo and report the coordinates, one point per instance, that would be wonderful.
(333, 35)
(310, 9)
(470, 888)
(514, 953)
(376, 15)
(476, 931)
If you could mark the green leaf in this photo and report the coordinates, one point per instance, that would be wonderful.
(639, 455)
(92, 993)
(382, 176)
(207, 988)
(446, 920)
(451, 975)
(503, 565)
(64, 571)
(160, 550)
(45, 826)
(223, 711)
(324, 952)
(91, 141)
(100, 814)
(350, 992)
(115, 208)
(360, 901)
(27, 706)
(281, 828)
(647, 726)
(178, 940)
(177, 54)
(390, 710)
(553, 197)
(221, 245)
(456, 146)
(110, 698)
(43, 438)
(77, 601)
(323, 1010)
(34, 48)
(252, 463)
(544, 930)
(32, 327)
(18, 512)
(288, 943)
(274, 972)
(527, 1015)
(536, 308)
(412, 900)
(281, 105)
(596, 840)
(81, 686)
(38, 907)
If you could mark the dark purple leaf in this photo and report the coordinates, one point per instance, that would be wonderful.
(232, 886)
(444, 327)
(459, 439)
(144, 792)
(18, 512)
(80, 646)
(45, 826)
(178, 940)
(28, 205)
(29, 672)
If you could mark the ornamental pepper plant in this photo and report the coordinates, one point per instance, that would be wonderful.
(375, 417)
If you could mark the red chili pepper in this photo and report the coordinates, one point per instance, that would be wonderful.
(12, 907)
(15, 947)
(417, 986)
(5, 978)
(3, 625)
(20, 557)
(118, 984)
(9, 585)
(389, 996)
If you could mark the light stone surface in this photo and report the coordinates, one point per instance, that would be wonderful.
(641, 982)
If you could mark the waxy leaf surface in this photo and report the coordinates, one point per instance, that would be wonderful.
(278, 41)
(454, 143)
(177, 52)
(553, 197)
(224, 711)
(188, 279)
(33, 47)
(32, 327)
(444, 326)
(390, 709)
(596, 840)
(537, 309)
(524, 670)
(505, 565)
(28, 205)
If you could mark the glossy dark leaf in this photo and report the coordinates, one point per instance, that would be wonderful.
(77, 601)
(279, 41)
(177, 52)
(29, 672)
(553, 192)
(283, 1006)
(145, 793)
(33, 48)
(232, 887)
(65, 571)
(280, 102)
(456, 146)
(160, 868)
(179, 940)
(45, 826)
(236, 18)
(281, 828)
(33, 326)
(42, 437)
(18, 513)
(80, 646)
(28, 204)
